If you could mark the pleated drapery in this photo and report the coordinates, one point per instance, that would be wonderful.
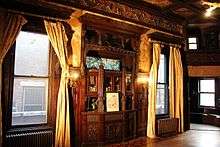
(176, 86)
(152, 91)
(58, 39)
(10, 26)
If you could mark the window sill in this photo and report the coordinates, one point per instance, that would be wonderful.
(28, 129)
(29, 113)
(162, 116)
(207, 107)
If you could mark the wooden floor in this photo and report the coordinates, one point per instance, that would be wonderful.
(198, 136)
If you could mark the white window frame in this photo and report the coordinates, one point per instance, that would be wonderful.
(32, 84)
(206, 92)
(192, 43)
(165, 83)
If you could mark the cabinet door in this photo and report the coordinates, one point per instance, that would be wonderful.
(108, 83)
(92, 83)
(128, 81)
(117, 83)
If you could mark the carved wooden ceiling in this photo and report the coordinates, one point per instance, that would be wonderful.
(182, 11)
(190, 10)
(161, 3)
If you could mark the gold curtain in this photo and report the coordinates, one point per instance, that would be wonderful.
(10, 26)
(176, 86)
(153, 91)
(58, 39)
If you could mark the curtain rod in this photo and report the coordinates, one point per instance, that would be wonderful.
(34, 15)
(164, 43)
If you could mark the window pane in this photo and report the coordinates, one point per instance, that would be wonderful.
(92, 62)
(161, 71)
(207, 99)
(192, 40)
(207, 85)
(29, 101)
(162, 100)
(31, 54)
(109, 64)
(192, 46)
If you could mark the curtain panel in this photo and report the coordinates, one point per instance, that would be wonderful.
(176, 87)
(58, 39)
(10, 26)
(151, 133)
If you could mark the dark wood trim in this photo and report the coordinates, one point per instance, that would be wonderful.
(110, 49)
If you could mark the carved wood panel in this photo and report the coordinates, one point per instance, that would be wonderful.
(101, 128)
(113, 131)
(125, 12)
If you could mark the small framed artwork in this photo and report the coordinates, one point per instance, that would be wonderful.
(91, 103)
(112, 101)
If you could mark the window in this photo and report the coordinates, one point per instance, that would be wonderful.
(192, 43)
(162, 87)
(30, 85)
(207, 92)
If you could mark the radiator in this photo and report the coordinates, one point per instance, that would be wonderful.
(33, 139)
(167, 126)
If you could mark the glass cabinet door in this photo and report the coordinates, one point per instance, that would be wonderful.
(128, 81)
(92, 83)
(117, 83)
(108, 83)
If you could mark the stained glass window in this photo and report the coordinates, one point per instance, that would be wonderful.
(109, 64)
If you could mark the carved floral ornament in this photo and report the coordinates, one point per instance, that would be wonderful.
(130, 13)
(161, 3)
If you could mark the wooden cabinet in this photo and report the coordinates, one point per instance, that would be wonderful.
(108, 127)
(110, 71)
(99, 82)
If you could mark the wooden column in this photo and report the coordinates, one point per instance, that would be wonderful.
(123, 89)
(133, 83)
(100, 102)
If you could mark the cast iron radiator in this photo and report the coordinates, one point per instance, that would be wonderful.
(30, 139)
(167, 126)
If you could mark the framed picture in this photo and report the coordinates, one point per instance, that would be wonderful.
(112, 101)
(91, 103)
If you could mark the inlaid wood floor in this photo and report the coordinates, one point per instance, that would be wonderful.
(198, 136)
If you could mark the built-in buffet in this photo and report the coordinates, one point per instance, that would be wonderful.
(110, 114)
